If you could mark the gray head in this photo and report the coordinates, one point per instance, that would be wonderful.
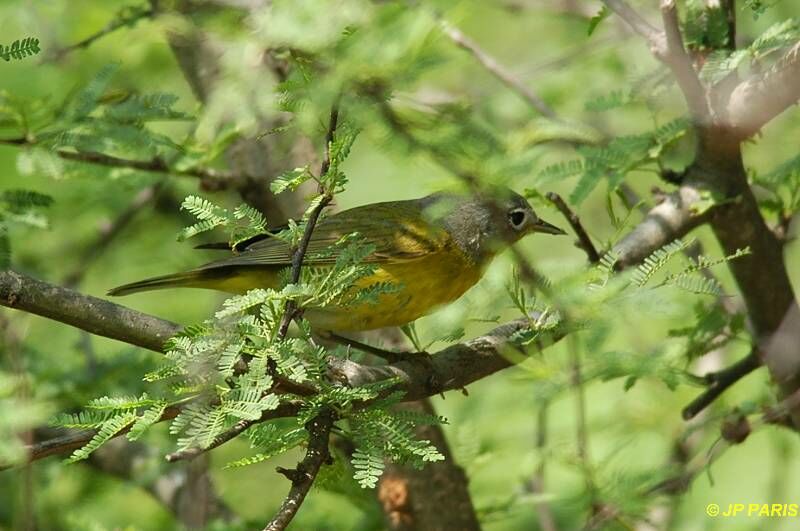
(483, 226)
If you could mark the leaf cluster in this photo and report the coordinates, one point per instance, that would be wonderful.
(20, 49)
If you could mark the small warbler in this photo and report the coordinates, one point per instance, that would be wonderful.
(431, 249)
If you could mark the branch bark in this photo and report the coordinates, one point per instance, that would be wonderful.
(319, 431)
(415, 499)
(673, 218)
(498, 70)
(96, 316)
(759, 99)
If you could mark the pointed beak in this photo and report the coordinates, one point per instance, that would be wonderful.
(547, 228)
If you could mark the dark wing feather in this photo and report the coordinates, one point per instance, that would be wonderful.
(398, 230)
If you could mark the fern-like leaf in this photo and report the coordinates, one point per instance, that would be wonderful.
(20, 49)
(107, 431)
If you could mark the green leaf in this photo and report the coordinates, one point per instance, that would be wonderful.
(87, 99)
(271, 442)
(147, 419)
(595, 21)
(290, 180)
(107, 431)
(20, 49)
(368, 465)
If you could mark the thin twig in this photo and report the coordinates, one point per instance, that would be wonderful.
(584, 242)
(319, 431)
(681, 64)
(290, 310)
(387, 355)
(498, 70)
(581, 429)
(319, 428)
(73, 440)
(544, 512)
(654, 37)
(719, 381)
(107, 235)
(154, 165)
(231, 433)
(118, 22)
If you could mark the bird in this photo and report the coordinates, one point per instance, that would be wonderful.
(430, 250)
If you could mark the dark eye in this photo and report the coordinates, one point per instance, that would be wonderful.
(517, 218)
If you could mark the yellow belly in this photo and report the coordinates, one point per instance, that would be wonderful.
(424, 284)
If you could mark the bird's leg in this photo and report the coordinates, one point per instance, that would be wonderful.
(423, 358)
(388, 355)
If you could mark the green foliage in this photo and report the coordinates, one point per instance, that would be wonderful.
(270, 441)
(780, 35)
(758, 7)
(105, 432)
(227, 369)
(290, 180)
(20, 49)
(595, 21)
(243, 223)
(614, 160)
(713, 329)
(783, 183)
(20, 207)
(705, 26)
(18, 414)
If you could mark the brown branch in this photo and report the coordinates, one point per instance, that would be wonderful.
(498, 70)
(74, 439)
(584, 241)
(681, 64)
(413, 499)
(654, 37)
(115, 24)
(319, 431)
(544, 512)
(231, 433)
(96, 316)
(672, 218)
(291, 310)
(667, 46)
(110, 232)
(719, 381)
(762, 97)
(213, 177)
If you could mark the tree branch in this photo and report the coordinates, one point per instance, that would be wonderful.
(96, 316)
(719, 381)
(74, 439)
(290, 310)
(681, 64)
(319, 430)
(498, 70)
(116, 23)
(413, 499)
(654, 37)
(231, 433)
(672, 218)
(584, 241)
(212, 176)
(759, 99)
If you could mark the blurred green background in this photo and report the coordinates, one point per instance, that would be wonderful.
(492, 431)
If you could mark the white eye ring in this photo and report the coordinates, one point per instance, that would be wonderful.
(517, 218)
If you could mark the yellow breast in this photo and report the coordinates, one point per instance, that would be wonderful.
(424, 284)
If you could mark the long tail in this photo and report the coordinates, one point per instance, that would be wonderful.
(188, 279)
